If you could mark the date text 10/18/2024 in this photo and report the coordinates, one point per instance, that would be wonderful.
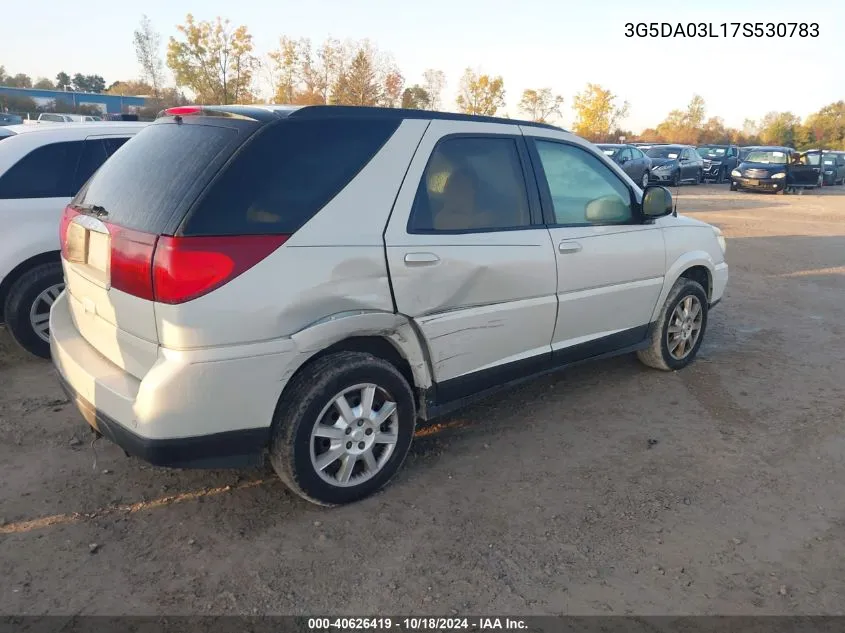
(417, 624)
(724, 29)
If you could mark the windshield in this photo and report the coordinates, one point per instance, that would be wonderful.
(770, 157)
(663, 152)
(609, 151)
(711, 151)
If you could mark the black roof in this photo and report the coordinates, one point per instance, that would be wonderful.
(270, 112)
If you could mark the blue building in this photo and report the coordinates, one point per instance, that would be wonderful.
(111, 104)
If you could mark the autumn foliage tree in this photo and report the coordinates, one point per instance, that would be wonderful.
(480, 94)
(213, 60)
(597, 113)
(540, 105)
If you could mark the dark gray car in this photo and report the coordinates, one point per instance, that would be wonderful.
(632, 161)
(674, 164)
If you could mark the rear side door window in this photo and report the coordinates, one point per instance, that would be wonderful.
(471, 184)
(45, 172)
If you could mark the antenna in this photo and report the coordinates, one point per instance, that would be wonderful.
(677, 195)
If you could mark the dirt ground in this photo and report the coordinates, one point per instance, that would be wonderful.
(609, 488)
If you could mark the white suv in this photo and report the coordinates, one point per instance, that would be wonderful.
(41, 168)
(310, 282)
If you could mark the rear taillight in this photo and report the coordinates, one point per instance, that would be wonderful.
(178, 269)
(185, 268)
(131, 267)
(67, 218)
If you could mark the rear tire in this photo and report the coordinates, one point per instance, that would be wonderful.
(309, 428)
(686, 296)
(27, 307)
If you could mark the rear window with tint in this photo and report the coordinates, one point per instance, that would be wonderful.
(286, 174)
(146, 183)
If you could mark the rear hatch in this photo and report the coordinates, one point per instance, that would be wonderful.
(111, 230)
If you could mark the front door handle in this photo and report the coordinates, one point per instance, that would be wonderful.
(568, 247)
(421, 259)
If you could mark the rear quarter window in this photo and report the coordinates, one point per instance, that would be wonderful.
(283, 176)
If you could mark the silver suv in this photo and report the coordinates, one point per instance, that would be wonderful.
(310, 282)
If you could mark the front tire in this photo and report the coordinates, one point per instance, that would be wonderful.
(676, 179)
(27, 309)
(699, 178)
(342, 428)
(720, 179)
(733, 186)
(644, 181)
(679, 331)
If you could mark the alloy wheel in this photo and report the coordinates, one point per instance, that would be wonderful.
(684, 327)
(39, 313)
(354, 435)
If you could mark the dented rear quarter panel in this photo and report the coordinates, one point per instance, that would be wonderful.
(334, 264)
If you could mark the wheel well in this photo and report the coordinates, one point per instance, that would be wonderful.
(701, 275)
(20, 269)
(375, 345)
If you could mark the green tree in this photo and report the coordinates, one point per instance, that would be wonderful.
(62, 81)
(480, 94)
(44, 84)
(148, 53)
(213, 60)
(540, 105)
(21, 80)
(597, 113)
(781, 128)
(828, 126)
(416, 98)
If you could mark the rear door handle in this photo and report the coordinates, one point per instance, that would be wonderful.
(421, 259)
(568, 247)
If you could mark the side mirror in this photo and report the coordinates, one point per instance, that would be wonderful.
(657, 202)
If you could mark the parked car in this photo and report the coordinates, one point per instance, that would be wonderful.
(353, 270)
(719, 161)
(41, 168)
(10, 119)
(834, 168)
(675, 164)
(121, 117)
(632, 161)
(777, 169)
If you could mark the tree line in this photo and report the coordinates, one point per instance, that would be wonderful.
(217, 62)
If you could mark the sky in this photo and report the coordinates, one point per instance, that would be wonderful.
(560, 44)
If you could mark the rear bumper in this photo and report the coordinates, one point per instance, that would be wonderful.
(232, 449)
(203, 408)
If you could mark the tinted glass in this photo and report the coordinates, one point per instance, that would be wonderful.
(471, 184)
(625, 154)
(582, 189)
(94, 153)
(286, 174)
(145, 184)
(636, 153)
(46, 172)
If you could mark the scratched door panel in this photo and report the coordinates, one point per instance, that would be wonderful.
(483, 304)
